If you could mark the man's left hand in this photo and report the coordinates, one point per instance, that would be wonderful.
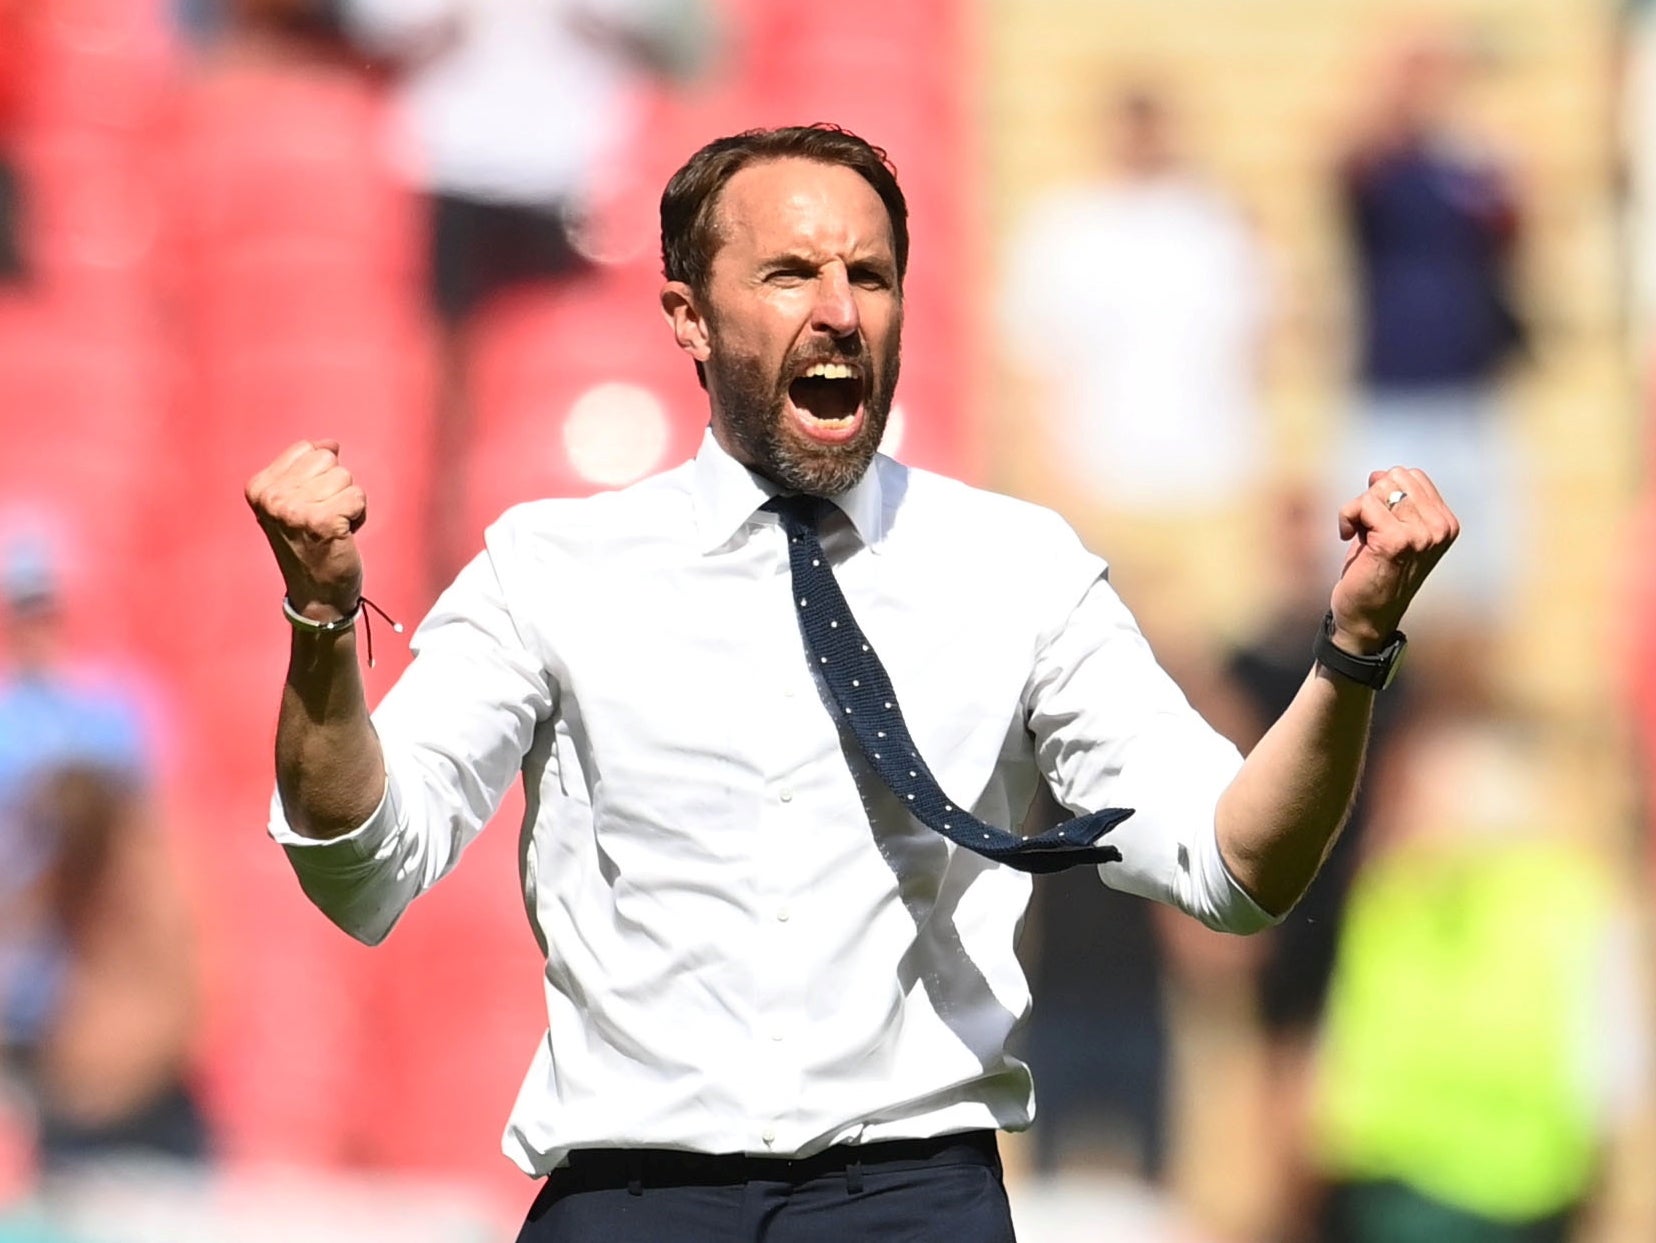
(1399, 529)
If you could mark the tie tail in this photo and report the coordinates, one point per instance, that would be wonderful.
(1071, 844)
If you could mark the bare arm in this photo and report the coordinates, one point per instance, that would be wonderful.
(131, 1001)
(329, 767)
(1284, 809)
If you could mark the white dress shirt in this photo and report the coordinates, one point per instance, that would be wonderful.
(1144, 302)
(750, 947)
(505, 100)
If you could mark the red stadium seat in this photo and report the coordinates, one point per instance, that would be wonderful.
(263, 154)
(255, 276)
(100, 64)
(538, 353)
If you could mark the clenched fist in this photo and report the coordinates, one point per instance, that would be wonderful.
(310, 509)
(1399, 528)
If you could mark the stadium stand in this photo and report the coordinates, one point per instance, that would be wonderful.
(226, 262)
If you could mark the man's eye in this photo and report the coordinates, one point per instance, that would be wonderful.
(871, 278)
(789, 276)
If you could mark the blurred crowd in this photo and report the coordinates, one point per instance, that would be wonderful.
(426, 227)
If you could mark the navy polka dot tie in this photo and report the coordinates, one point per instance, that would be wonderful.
(863, 695)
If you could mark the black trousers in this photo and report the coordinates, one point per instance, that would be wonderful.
(947, 1190)
(479, 248)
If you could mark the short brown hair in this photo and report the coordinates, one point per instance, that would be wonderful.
(689, 204)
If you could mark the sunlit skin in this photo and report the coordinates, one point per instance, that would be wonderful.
(805, 273)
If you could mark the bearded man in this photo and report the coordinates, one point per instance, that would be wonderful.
(778, 902)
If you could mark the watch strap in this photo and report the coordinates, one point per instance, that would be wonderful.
(1375, 672)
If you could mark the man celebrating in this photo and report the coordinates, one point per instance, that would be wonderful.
(778, 713)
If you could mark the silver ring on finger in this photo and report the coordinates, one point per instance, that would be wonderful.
(1395, 498)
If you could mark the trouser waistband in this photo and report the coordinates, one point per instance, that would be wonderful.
(636, 1168)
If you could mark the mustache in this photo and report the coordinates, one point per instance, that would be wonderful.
(851, 354)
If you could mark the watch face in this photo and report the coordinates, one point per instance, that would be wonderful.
(1393, 656)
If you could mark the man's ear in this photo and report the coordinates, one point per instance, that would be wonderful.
(684, 316)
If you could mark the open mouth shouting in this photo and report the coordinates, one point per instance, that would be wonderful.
(825, 402)
(813, 424)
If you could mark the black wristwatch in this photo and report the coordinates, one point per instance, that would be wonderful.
(1375, 671)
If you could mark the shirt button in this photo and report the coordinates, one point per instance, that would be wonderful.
(788, 692)
(783, 914)
(768, 1135)
(787, 794)
(777, 1035)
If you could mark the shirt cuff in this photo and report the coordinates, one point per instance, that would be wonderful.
(1174, 776)
(1243, 914)
(361, 844)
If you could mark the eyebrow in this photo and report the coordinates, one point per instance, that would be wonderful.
(789, 259)
(800, 258)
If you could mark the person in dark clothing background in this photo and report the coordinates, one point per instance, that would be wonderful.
(14, 61)
(1435, 225)
(1099, 1043)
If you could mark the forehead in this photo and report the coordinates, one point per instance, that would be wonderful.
(801, 205)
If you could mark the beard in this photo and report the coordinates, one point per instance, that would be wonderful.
(753, 407)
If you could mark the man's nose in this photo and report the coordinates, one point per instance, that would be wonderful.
(835, 310)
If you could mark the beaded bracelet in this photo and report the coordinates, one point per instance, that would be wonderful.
(341, 624)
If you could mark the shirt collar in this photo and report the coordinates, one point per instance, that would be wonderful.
(726, 494)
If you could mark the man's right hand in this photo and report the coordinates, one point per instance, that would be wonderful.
(310, 509)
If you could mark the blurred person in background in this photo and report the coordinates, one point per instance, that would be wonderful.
(97, 973)
(200, 20)
(1136, 304)
(53, 710)
(511, 112)
(206, 20)
(110, 1069)
(1434, 225)
(1487, 1040)
(14, 64)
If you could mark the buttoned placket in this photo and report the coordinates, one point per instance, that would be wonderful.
(787, 740)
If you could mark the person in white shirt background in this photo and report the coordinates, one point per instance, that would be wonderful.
(510, 115)
(778, 1004)
(1137, 300)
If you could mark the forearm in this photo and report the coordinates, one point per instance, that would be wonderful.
(1277, 819)
(1284, 809)
(330, 770)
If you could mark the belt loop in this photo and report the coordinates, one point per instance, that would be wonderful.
(854, 1176)
(635, 1173)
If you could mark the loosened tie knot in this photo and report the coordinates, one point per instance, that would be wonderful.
(798, 509)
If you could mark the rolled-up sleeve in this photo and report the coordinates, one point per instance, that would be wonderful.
(1113, 730)
(454, 730)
